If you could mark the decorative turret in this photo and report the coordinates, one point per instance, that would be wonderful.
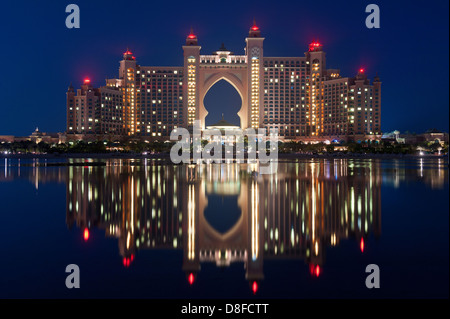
(191, 56)
(86, 84)
(361, 74)
(376, 78)
(255, 54)
(315, 46)
(254, 31)
(223, 50)
(128, 55)
(191, 38)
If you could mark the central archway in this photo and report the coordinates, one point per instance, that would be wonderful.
(222, 99)
(235, 77)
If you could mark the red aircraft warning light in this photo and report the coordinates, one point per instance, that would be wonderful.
(314, 45)
(314, 270)
(191, 279)
(254, 287)
(317, 271)
(86, 234)
(191, 34)
(87, 81)
(127, 261)
(254, 27)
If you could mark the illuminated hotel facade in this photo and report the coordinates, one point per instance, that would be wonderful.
(298, 96)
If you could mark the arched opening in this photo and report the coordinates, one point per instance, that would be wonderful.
(222, 98)
(222, 212)
(222, 192)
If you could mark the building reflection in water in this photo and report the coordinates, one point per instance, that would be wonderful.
(296, 213)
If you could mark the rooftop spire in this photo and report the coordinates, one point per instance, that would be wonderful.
(254, 26)
(191, 34)
(191, 38)
(376, 78)
(315, 46)
(128, 55)
(254, 30)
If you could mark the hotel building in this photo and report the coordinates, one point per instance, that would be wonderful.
(94, 111)
(298, 96)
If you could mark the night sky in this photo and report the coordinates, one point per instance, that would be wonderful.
(40, 56)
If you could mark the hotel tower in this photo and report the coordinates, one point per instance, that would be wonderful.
(298, 96)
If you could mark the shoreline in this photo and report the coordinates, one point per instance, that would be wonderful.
(167, 156)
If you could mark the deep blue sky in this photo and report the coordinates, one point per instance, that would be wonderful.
(40, 56)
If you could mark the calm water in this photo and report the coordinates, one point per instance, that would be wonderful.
(149, 229)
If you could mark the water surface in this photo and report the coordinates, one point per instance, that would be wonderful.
(149, 229)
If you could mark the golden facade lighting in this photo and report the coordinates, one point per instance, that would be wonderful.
(191, 222)
(254, 93)
(191, 90)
